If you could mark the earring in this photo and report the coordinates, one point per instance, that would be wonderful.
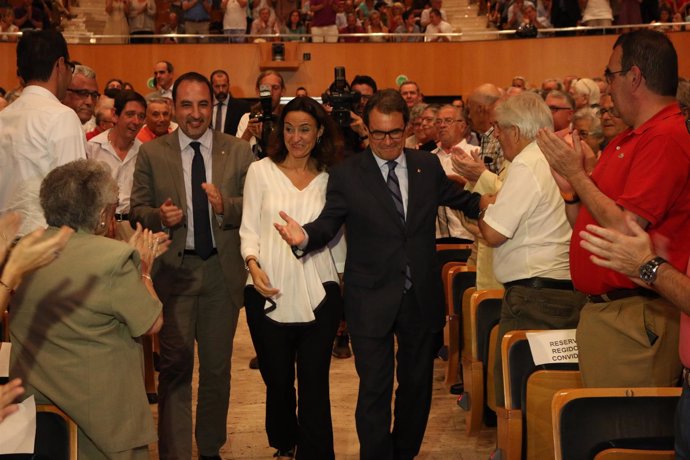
(318, 140)
(102, 224)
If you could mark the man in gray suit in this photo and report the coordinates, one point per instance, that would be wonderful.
(201, 277)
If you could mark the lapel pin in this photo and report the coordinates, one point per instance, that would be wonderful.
(419, 171)
(222, 152)
(621, 155)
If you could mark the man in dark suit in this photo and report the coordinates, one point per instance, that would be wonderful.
(227, 111)
(388, 198)
(201, 277)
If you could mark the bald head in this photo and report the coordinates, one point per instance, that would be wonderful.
(480, 106)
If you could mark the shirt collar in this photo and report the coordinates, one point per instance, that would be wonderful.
(206, 139)
(401, 160)
(668, 111)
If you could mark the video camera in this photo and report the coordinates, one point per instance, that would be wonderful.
(266, 113)
(341, 97)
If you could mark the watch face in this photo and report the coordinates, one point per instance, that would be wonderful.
(648, 271)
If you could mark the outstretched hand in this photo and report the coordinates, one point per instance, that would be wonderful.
(291, 232)
(565, 160)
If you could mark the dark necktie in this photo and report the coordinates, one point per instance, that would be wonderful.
(218, 126)
(394, 187)
(203, 241)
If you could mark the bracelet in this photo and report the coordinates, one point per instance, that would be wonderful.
(146, 276)
(249, 259)
(9, 289)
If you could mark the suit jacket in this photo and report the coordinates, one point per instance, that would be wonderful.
(158, 176)
(236, 108)
(380, 246)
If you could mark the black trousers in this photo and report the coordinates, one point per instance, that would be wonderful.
(303, 420)
(374, 361)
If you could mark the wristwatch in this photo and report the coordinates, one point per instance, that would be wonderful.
(648, 271)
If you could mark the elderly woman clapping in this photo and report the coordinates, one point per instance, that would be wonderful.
(74, 323)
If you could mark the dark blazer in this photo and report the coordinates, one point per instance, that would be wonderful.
(236, 108)
(379, 246)
(158, 176)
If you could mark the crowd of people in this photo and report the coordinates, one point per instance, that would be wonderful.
(186, 204)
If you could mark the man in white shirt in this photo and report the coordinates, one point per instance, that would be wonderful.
(118, 147)
(38, 132)
(82, 96)
(437, 26)
(452, 126)
(528, 228)
(425, 19)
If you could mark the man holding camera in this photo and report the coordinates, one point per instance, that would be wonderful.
(270, 87)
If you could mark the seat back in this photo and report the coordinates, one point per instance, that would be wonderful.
(453, 252)
(487, 315)
(587, 421)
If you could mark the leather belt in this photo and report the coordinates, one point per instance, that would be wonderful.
(541, 283)
(192, 252)
(618, 294)
(121, 217)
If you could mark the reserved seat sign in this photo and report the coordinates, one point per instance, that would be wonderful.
(556, 346)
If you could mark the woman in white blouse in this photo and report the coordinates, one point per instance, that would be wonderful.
(293, 305)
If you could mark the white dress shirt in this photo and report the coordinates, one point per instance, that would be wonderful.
(206, 141)
(99, 148)
(37, 134)
(530, 212)
(267, 191)
(448, 220)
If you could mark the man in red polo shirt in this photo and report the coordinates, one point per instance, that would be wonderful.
(628, 335)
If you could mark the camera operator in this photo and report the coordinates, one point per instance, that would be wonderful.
(346, 104)
(257, 125)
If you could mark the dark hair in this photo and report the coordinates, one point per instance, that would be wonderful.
(113, 92)
(326, 150)
(387, 101)
(37, 52)
(125, 96)
(364, 80)
(406, 14)
(656, 57)
(436, 11)
(2, 91)
(191, 76)
(265, 74)
(219, 72)
(289, 18)
(110, 81)
(168, 66)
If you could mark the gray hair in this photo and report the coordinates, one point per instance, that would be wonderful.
(417, 110)
(588, 113)
(75, 193)
(527, 112)
(589, 88)
(86, 71)
(562, 95)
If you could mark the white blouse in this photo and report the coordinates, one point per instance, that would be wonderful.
(267, 191)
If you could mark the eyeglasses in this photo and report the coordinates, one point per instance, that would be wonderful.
(84, 93)
(381, 135)
(555, 108)
(447, 121)
(608, 74)
(583, 134)
(612, 112)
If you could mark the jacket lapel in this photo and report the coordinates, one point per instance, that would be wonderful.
(174, 162)
(376, 185)
(414, 174)
(219, 156)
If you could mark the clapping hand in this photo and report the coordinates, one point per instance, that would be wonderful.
(8, 393)
(149, 245)
(291, 232)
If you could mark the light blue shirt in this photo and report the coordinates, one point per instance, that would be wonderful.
(400, 171)
(206, 141)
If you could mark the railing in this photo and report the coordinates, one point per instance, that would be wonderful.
(89, 37)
